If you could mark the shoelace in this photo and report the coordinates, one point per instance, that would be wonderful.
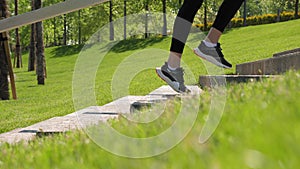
(181, 73)
(181, 80)
(219, 50)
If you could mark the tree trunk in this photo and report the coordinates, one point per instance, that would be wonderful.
(205, 15)
(164, 31)
(111, 28)
(278, 15)
(146, 19)
(54, 32)
(4, 89)
(65, 30)
(79, 27)
(18, 54)
(41, 65)
(297, 9)
(245, 13)
(125, 21)
(32, 51)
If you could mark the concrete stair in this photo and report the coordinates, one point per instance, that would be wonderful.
(257, 70)
(221, 80)
(270, 66)
(288, 52)
(92, 115)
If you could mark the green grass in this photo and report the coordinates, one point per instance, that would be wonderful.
(37, 103)
(255, 42)
(259, 129)
(261, 120)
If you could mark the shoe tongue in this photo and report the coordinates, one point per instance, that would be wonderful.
(179, 70)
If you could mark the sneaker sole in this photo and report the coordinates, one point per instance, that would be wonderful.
(209, 58)
(173, 85)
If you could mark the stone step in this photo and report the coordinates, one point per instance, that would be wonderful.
(167, 91)
(271, 66)
(159, 95)
(221, 80)
(91, 116)
(288, 52)
(16, 136)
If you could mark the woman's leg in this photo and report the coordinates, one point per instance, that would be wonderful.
(209, 49)
(226, 12)
(171, 72)
(182, 26)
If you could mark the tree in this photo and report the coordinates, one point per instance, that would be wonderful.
(32, 51)
(79, 27)
(18, 55)
(41, 64)
(125, 21)
(245, 13)
(65, 29)
(111, 24)
(205, 15)
(5, 60)
(4, 89)
(164, 31)
(296, 9)
(146, 18)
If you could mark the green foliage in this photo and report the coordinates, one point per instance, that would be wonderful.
(264, 19)
(255, 20)
(95, 17)
(90, 21)
(254, 8)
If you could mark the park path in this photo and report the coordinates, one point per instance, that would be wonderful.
(91, 115)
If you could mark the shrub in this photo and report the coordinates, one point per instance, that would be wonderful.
(255, 20)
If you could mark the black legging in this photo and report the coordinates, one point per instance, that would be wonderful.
(186, 15)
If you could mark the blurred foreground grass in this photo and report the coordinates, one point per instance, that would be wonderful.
(260, 128)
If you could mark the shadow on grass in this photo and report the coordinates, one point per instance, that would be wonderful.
(122, 46)
(135, 43)
(228, 30)
(63, 51)
(33, 86)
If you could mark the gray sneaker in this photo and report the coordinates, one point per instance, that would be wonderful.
(174, 78)
(212, 54)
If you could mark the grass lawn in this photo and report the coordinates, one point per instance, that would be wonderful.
(260, 127)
